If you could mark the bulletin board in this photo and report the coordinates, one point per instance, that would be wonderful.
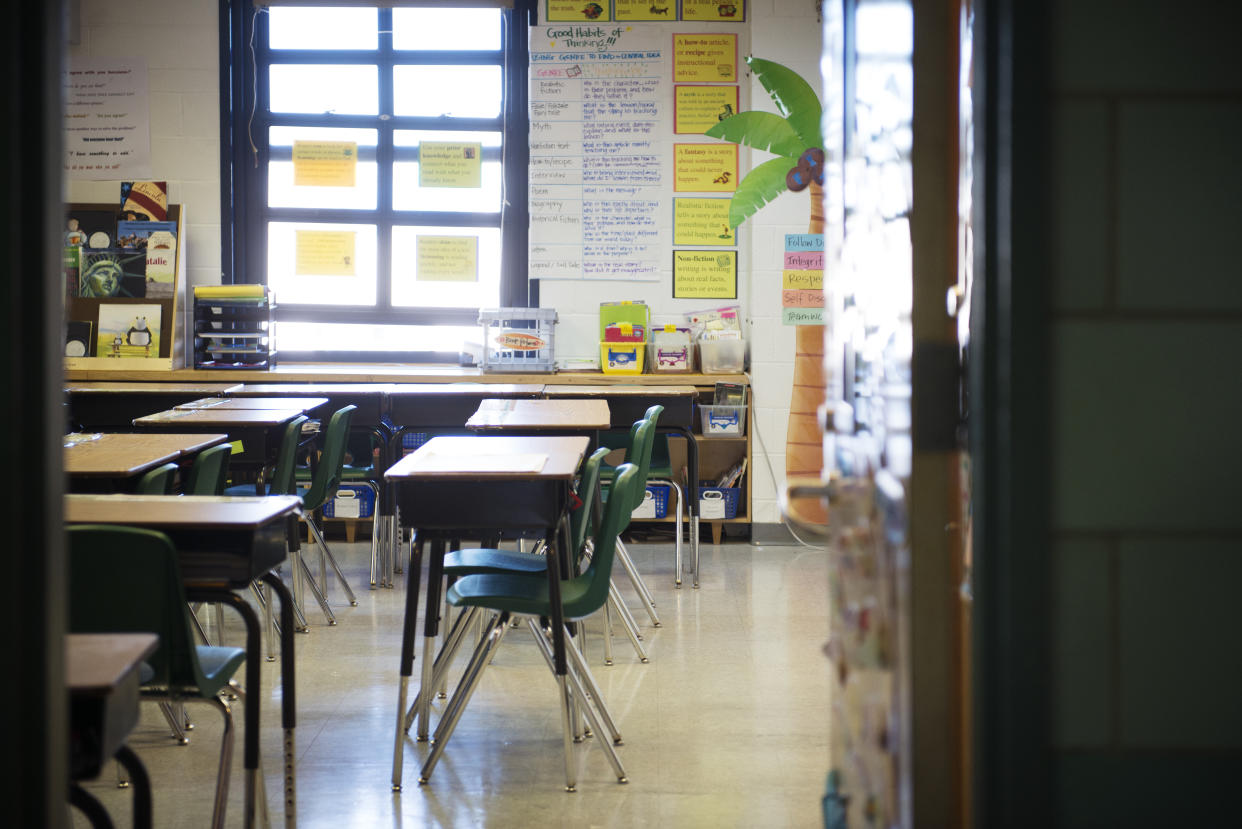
(618, 159)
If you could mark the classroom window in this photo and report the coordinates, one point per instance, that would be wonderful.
(375, 172)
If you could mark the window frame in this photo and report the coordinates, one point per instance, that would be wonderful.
(244, 170)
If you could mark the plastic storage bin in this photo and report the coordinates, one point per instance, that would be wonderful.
(518, 339)
(351, 501)
(722, 356)
(720, 420)
(654, 504)
(716, 502)
(623, 336)
(622, 358)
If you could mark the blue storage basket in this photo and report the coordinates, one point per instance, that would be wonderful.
(362, 492)
(730, 495)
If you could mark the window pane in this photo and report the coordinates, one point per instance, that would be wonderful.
(449, 288)
(411, 138)
(440, 29)
(455, 91)
(315, 288)
(310, 28)
(283, 192)
(318, 336)
(326, 89)
(407, 195)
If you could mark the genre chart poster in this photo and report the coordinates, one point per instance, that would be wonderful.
(447, 258)
(705, 168)
(576, 11)
(702, 222)
(325, 163)
(697, 108)
(325, 253)
(107, 119)
(704, 274)
(705, 58)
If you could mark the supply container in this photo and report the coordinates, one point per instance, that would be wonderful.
(518, 339)
(351, 501)
(722, 356)
(722, 420)
(654, 503)
(717, 503)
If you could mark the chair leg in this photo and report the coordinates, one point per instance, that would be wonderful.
(677, 544)
(479, 661)
(627, 622)
(326, 551)
(608, 632)
(310, 580)
(627, 563)
(439, 671)
(175, 722)
(226, 762)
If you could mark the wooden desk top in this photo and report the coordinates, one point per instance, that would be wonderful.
(309, 389)
(222, 418)
(96, 663)
(306, 404)
(492, 458)
(537, 415)
(450, 389)
(122, 454)
(118, 387)
(620, 390)
(206, 511)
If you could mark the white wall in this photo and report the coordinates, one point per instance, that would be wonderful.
(177, 38)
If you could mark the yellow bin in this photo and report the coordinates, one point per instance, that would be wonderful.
(622, 358)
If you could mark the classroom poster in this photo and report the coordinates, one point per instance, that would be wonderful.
(107, 130)
(701, 274)
(697, 108)
(705, 168)
(718, 11)
(447, 258)
(652, 10)
(325, 163)
(702, 222)
(325, 252)
(705, 58)
(450, 164)
(576, 11)
(802, 280)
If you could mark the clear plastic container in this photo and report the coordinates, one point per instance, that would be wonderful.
(720, 420)
(722, 356)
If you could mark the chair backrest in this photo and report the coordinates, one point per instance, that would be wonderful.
(598, 573)
(639, 454)
(158, 481)
(283, 481)
(128, 580)
(327, 475)
(210, 471)
(581, 519)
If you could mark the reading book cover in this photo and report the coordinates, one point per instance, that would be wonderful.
(71, 265)
(159, 241)
(113, 272)
(128, 330)
(90, 228)
(144, 200)
(78, 338)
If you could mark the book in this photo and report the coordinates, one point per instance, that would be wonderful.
(90, 228)
(78, 338)
(732, 475)
(159, 241)
(730, 394)
(71, 266)
(127, 330)
(144, 200)
(113, 272)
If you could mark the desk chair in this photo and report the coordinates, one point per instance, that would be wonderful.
(325, 479)
(158, 481)
(210, 471)
(527, 596)
(126, 579)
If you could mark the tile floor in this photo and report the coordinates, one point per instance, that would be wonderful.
(726, 725)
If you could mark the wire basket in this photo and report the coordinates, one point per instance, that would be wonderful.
(519, 339)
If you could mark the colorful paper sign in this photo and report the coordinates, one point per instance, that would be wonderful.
(804, 241)
(644, 10)
(577, 11)
(447, 258)
(802, 316)
(802, 299)
(450, 164)
(703, 274)
(325, 163)
(705, 168)
(720, 11)
(802, 280)
(697, 108)
(325, 253)
(804, 260)
(705, 58)
(702, 222)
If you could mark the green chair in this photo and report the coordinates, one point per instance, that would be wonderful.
(210, 471)
(324, 482)
(281, 481)
(158, 481)
(128, 580)
(527, 595)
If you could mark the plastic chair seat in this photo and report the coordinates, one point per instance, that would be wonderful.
(482, 560)
(517, 593)
(218, 665)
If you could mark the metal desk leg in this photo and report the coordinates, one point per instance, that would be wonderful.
(431, 627)
(409, 622)
(141, 784)
(288, 699)
(692, 499)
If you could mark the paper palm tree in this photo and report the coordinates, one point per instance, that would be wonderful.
(795, 137)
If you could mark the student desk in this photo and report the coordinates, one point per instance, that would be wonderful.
(540, 416)
(223, 544)
(306, 404)
(101, 676)
(455, 487)
(628, 403)
(100, 405)
(112, 459)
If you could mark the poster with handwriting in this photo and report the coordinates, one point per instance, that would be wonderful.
(702, 222)
(697, 108)
(719, 11)
(644, 10)
(325, 253)
(576, 11)
(802, 280)
(705, 274)
(705, 58)
(107, 131)
(705, 168)
(447, 258)
(325, 163)
(450, 164)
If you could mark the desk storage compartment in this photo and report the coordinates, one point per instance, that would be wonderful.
(622, 358)
(716, 502)
(722, 356)
(720, 420)
(654, 503)
(518, 339)
(351, 501)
